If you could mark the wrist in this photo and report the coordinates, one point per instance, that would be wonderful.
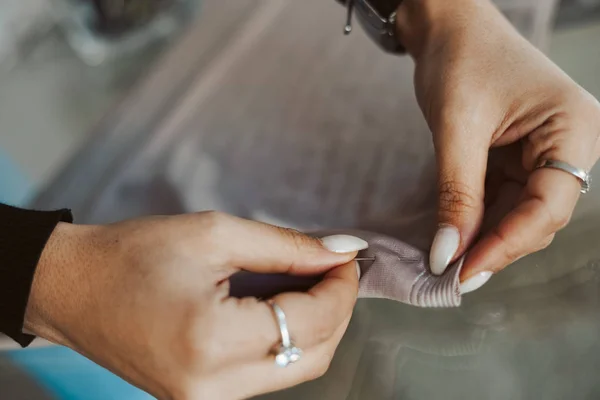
(52, 303)
(424, 23)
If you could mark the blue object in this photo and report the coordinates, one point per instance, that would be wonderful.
(69, 376)
(15, 188)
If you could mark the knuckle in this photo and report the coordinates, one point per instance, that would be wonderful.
(323, 366)
(299, 239)
(546, 243)
(557, 219)
(199, 348)
(320, 368)
(290, 234)
(213, 219)
(561, 220)
(193, 352)
(322, 329)
(200, 345)
(554, 218)
(214, 232)
(510, 252)
(455, 197)
(206, 351)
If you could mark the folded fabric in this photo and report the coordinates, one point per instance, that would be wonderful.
(400, 272)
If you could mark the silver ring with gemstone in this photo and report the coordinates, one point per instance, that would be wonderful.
(582, 176)
(285, 353)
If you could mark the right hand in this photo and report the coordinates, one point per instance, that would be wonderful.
(149, 300)
(497, 107)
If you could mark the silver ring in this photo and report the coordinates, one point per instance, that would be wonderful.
(582, 176)
(286, 353)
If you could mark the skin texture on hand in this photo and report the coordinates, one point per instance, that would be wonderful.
(149, 300)
(496, 107)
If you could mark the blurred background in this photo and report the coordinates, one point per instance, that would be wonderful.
(63, 65)
(83, 84)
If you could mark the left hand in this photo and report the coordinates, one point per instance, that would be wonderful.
(149, 299)
(496, 107)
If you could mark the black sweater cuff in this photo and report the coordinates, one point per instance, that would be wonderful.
(23, 236)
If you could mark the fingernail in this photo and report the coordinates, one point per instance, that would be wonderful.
(357, 269)
(475, 282)
(445, 244)
(344, 243)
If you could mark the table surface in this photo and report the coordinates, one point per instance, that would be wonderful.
(532, 332)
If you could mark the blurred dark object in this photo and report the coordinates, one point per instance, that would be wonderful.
(102, 30)
(116, 17)
(574, 12)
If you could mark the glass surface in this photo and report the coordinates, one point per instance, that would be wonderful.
(531, 333)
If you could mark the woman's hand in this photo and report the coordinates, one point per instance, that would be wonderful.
(496, 106)
(149, 300)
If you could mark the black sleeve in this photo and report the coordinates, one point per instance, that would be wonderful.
(23, 235)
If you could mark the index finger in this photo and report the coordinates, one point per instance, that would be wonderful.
(546, 206)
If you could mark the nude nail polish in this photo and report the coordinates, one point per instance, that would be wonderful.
(475, 282)
(344, 243)
(444, 247)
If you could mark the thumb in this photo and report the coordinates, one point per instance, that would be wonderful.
(462, 167)
(262, 248)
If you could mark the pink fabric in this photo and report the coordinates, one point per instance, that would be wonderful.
(400, 272)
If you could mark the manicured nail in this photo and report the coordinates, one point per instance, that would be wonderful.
(445, 244)
(344, 243)
(475, 282)
(357, 269)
